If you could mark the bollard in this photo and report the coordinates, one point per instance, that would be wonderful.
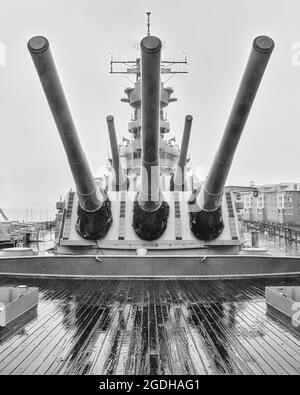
(255, 239)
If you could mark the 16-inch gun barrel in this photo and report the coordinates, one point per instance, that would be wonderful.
(149, 197)
(207, 222)
(119, 178)
(178, 181)
(150, 212)
(92, 204)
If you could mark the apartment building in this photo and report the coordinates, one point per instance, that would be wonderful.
(277, 203)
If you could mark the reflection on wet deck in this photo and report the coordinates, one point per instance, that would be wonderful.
(144, 327)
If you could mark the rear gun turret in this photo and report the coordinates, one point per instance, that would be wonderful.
(206, 215)
(94, 214)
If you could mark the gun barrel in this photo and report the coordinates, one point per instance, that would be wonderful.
(119, 176)
(206, 219)
(90, 199)
(179, 176)
(150, 214)
(210, 196)
(149, 197)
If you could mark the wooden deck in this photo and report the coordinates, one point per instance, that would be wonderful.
(149, 327)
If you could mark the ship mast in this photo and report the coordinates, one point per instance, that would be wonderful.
(133, 67)
(130, 151)
(148, 23)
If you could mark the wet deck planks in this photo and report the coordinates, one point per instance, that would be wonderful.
(144, 327)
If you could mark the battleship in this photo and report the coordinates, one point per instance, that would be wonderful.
(149, 218)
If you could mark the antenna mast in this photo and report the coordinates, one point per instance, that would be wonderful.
(148, 23)
(133, 66)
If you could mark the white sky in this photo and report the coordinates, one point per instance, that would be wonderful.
(217, 37)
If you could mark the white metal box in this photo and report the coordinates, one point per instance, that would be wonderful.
(285, 300)
(15, 301)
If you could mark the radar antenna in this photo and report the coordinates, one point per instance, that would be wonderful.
(148, 23)
(128, 66)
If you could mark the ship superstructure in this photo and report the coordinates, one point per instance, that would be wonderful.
(130, 149)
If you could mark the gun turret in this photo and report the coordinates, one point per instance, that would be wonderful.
(94, 214)
(178, 181)
(206, 216)
(150, 211)
(119, 178)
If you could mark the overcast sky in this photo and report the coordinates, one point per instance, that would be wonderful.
(217, 37)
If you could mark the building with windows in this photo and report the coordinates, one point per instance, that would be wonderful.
(277, 203)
